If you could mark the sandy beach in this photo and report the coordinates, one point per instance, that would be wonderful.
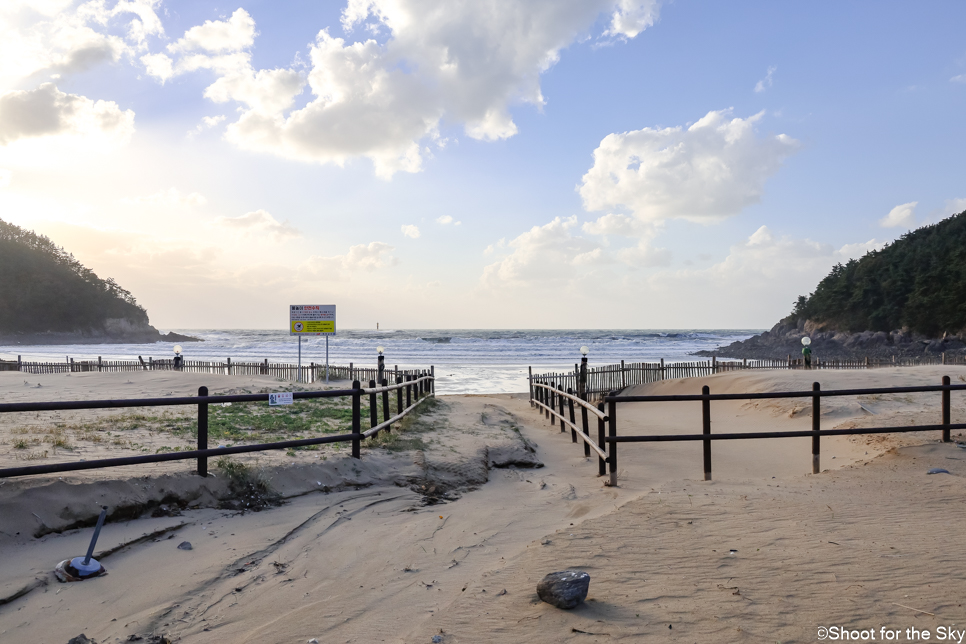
(446, 529)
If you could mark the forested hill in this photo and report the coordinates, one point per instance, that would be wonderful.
(904, 300)
(46, 293)
(918, 283)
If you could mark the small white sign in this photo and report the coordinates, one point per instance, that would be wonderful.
(283, 398)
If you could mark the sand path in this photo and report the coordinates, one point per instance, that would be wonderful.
(376, 564)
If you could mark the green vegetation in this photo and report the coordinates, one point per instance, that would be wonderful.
(43, 288)
(249, 489)
(918, 282)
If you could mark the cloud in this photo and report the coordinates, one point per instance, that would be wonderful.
(217, 36)
(56, 37)
(467, 62)
(445, 220)
(711, 170)
(46, 112)
(172, 197)
(544, 254)
(613, 224)
(766, 82)
(765, 271)
(364, 257)
(902, 216)
(259, 222)
(410, 231)
(958, 79)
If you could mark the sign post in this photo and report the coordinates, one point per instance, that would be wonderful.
(312, 319)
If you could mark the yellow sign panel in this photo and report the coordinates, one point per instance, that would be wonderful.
(313, 326)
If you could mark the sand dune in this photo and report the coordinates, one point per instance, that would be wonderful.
(424, 540)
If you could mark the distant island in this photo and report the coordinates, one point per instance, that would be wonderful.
(907, 299)
(48, 297)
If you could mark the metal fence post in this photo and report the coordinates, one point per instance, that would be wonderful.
(706, 430)
(946, 421)
(356, 417)
(816, 427)
(203, 431)
(612, 427)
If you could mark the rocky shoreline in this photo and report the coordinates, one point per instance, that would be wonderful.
(785, 338)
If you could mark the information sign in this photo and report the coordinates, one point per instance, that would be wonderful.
(312, 319)
(282, 398)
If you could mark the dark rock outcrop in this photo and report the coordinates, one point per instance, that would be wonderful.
(785, 338)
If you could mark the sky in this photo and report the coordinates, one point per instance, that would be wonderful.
(478, 164)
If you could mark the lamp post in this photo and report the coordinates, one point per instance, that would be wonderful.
(178, 359)
(381, 362)
(582, 381)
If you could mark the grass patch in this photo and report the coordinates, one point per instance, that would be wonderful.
(21, 443)
(249, 489)
(405, 435)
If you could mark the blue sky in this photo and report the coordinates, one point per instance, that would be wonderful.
(604, 163)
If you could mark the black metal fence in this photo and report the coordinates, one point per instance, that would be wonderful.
(411, 390)
(555, 402)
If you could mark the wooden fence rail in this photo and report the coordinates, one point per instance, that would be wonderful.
(310, 373)
(416, 388)
(551, 399)
(616, 377)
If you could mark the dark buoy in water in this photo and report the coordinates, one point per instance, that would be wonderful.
(81, 568)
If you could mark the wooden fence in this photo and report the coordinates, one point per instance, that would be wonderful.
(555, 404)
(616, 377)
(409, 392)
(310, 373)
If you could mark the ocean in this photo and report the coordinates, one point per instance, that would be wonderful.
(466, 361)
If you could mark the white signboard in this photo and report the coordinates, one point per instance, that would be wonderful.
(311, 319)
(283, 398)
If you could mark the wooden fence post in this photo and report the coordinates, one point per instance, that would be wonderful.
(612, 427)
(573, 420)
(706, 430)
(623, 377)
(601, 463)
(203, 432)
(530, 383)
(409, 391)
(373, 409)
(385, 405)
(552, 404)
(714, 365)
(560, 405)
(399, 394)
(816, 427)
(662, 368)
(99, 363)
(946, 421)
(432, 383)
(356, 418)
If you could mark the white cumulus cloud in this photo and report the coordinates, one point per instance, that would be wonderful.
(47, 112)
(364, 257)
(467, 61)
(902, 216)
(410, 231)
(708, 171)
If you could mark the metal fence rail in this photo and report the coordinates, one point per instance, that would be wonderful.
(414, 388)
